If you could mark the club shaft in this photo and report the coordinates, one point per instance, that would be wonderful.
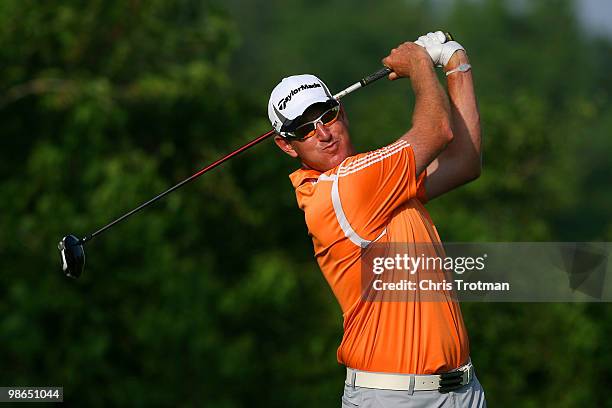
(381, 73)
(363, 82)
(182, 183)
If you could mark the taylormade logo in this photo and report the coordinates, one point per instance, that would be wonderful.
(282, 104)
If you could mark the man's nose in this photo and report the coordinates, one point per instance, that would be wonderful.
(323, 133)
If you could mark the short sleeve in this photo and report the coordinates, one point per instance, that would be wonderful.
(373, 185)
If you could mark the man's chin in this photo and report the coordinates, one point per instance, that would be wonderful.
(339, 157)
(329, 164)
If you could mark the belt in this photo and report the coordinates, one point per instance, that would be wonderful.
(443, 382)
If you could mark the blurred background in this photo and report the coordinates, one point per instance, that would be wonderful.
(212, 297)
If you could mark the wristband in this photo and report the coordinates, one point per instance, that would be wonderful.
(460, 68)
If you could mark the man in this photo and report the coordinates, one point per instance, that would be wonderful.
(410, 353)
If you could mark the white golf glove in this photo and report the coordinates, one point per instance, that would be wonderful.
(439, 49)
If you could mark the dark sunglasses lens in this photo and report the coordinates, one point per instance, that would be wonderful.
(327, 116)
(304, 130)
(330, 115)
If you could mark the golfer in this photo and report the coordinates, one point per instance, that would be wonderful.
(397, 354)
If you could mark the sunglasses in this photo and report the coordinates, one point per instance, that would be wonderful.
(308, 129)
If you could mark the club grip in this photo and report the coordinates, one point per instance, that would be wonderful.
(381, 73)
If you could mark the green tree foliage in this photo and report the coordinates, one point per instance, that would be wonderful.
(212, 297)
(102, 106)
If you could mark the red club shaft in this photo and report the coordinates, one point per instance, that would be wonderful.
(182, 183)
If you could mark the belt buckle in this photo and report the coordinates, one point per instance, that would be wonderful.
(454, 380)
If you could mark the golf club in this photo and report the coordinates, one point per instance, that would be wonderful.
(72, 254)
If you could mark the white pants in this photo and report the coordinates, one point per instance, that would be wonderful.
(469, 396)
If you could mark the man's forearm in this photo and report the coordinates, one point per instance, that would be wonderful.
(460, 162)
(431, 123)
(431, 108)
(431, 120)
(464, 114)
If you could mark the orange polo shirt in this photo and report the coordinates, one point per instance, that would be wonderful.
(376, 196)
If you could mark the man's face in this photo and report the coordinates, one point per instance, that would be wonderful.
(326, 148)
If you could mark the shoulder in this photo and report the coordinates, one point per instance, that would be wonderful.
(362, 161)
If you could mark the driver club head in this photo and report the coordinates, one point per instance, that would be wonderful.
(72, 256)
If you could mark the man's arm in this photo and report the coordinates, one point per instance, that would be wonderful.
(431, 120)
(460, 162)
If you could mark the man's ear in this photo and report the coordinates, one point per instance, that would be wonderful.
(285, 146)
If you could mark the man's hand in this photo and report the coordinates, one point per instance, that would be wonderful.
(439, 49)
(406, 59)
